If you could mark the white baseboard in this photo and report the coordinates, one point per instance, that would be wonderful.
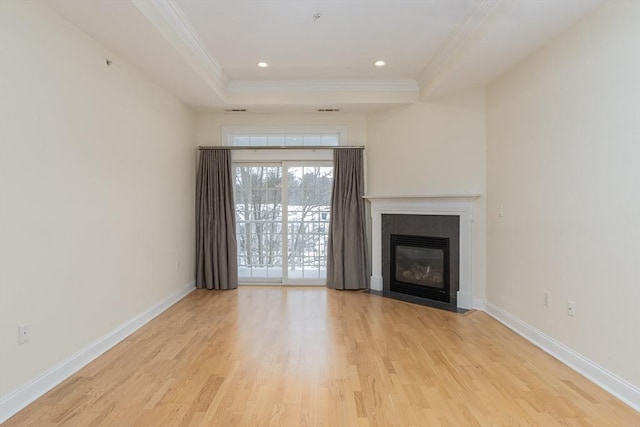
(20, 398)
(478, 304)
(620, 388)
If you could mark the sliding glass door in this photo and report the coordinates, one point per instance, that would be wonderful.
(282, 216)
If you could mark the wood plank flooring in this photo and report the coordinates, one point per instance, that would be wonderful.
(270, 356)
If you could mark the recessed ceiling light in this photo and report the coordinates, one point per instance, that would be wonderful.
(262, 64)
(379, 63)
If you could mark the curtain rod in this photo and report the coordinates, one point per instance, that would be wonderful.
(269, 147)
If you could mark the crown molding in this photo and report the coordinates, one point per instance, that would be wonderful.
(456, 45)
(169, 19)
(180, 23)
(241, 86)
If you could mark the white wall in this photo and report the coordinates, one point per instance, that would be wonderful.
(563, 138)
(97, 191)
(433, 148)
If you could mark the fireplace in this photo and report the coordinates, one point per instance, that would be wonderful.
(421, 257)
(425, 216)
(420, 266)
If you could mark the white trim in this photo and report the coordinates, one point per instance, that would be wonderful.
(177, 19)
(620, 388)
(171, 22)
(23, 396)
(242, 86)
(456, 205)
(456, 45)
(479, 304)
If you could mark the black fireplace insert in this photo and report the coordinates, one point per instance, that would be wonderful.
(420, 266)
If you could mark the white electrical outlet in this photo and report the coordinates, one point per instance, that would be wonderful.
(501, 211)
(547, 299)
(571, 309)
(24, 331)
(178, 266)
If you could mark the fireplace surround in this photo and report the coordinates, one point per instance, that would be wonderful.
(460, 206)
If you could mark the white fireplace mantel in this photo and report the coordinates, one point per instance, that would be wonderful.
(443, 204)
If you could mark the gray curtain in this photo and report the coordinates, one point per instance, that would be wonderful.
(347, 252)
(216, 247)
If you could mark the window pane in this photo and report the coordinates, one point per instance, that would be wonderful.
(330, 139)
(241, 140)
(288, 139)
(276, 140)
(313, 140)
(294, 139)
(259, 141)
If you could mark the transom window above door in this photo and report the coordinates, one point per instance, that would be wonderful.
(287, 136)
(285, 140)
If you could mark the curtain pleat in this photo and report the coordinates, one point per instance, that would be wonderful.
(347, 252)
(216, 247)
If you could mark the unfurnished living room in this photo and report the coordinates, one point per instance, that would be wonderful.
(320, 213)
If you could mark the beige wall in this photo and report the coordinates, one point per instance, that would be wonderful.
(563, 138)
(433, 148)
(97, 185)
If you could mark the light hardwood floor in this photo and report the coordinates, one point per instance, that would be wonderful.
(269, 356)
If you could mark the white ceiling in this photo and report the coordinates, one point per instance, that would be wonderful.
(205, 52)
(342, 44)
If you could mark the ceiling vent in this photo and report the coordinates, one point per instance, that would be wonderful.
(328, 110)
(235, 110)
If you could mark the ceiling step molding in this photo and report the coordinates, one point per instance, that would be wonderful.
(169, 19)
(240, 86)
(172, 23)
(459, 41)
